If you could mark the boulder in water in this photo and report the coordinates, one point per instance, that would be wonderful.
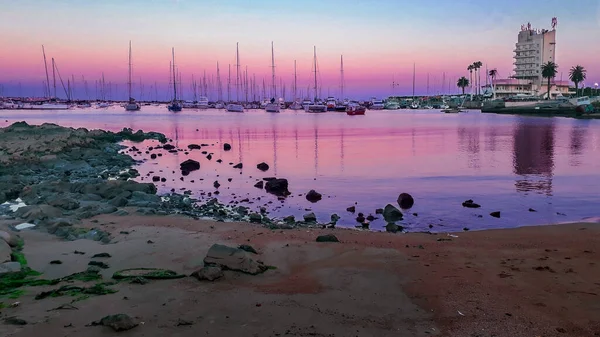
(263, 166)
(278, 187)
(313, 196)
(405, 201)
(392, 214)
(189, 165)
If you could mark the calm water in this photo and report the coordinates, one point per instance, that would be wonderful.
(504, 163)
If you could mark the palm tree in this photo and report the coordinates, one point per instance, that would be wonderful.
(478, 66)
(577, 74)
(549, 71)
(462, 83)
(470, 69)
(493, 74)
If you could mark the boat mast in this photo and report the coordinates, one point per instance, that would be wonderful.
(315, 64)
(246, 84)
(414, 66)
(174, 76)
(273, 88)
(47, 77)
(229, 85)
(295, 82)
(129, 81)
(237, 72)
(54, 76)
(219, 86)
(342, 74)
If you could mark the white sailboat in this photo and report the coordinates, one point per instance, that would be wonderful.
(236, 107)
(296, 105)
(315, 106)
(273, 106)
(175, 105)
(132, 105)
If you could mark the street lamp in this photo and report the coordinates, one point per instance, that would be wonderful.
(596, 85)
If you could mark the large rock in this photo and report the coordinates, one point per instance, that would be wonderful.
(10, 267)
(327, 238)
(233, 259)
(38, 212)
(391, 214)
(310, 217)
(208, 273)
(65, 203)
(405, 201)
(470, 204)
(263, 166)
(119, 322)
(5, 252)
(189, 165)
(279, 187)
(259, 184)
(194, 147)
(9, 238)
(226, 147)
(313, 196)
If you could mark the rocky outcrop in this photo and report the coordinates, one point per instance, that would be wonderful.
(310, 217)
(230, 258)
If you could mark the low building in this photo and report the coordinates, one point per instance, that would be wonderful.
(513, 86)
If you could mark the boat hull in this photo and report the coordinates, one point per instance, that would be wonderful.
(316, 108)
(234, 108)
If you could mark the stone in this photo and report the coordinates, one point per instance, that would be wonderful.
(360, 218)
(10, 267)
(38, 212)
(248, 249)
(64, 203)
(209, 157)
(155, 179)
(9, 238)
(289, 219)
(278, 187)
(379, 211)
(335, 218)
(238, 166)
(153, 156)
(393, 228)
(5, 252)
(168, 147)
(259, 184)
(327, 238)
(98, 264)
(226, 147)
(14, 321)
(235, 259)
(119, 322)
(495, 214)
(194, 147)
(263, 166)
(313, 196)
(532, 210)
(216, 184)
(102, 255)
(310, 217)
(405, 201)
(391, 213)
(118, 201)
(351, 209)
(208, 273)
(189, 165)
(470, 204)
(370, 217)
(255, 218)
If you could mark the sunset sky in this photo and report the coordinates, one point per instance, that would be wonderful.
(380, 41)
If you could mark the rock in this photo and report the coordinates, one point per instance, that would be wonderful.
(209, 157)
(393, 228)
(64, 203)
(119, 322)
(360, 218)
(189, 165)
(233, 259)
(263, 166)
(391, 213)
(495, 214)
(102, 255)
(118, 201)
(54, 225)
(405, 201)
(98, 264)
(532, 210)
(194, 147)
(56, 262)
(351, 209)
(14, 321)
(168, 147)
(269, 178)
(259, 184)
(379, 211)
(153, 156)
(216, 184)
(155, 179)
(327, 238)
(289, 219)
(10, 267)
(255, 218)
(278, 187)
(208, 273)
(5, 252)
(310, 217)
(371, 217)
(248, 249)
(38, 212)
(238, 166)
(470, 204)
(313, 196)
(12, 240)
(226, 147)
(335, 218)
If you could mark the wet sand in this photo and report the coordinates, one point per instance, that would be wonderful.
(531, 281)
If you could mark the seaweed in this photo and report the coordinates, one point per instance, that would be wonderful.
(82, 292)
(147, 273)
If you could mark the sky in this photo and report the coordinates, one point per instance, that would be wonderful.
(380, 40)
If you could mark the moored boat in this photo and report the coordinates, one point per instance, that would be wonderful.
(273, 107)
(234, 107)
(355, 109)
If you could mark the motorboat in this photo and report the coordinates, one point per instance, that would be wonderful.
(316, 108)
(331, 103)
(272, 107)
(219, 105)
(355, 109)
(234, 107)
(102, 105)
(202, 103)
(175, 106)
(296, 106)
(414, 105)
(132, 106)
(377, 105)
(451, 110)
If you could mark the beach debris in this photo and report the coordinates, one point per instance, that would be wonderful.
(148, 273)
(391, 213)
(119, 322)
(208, 273)
(327, 238)
(101, 255)
(470, 204)
(405, 201)
(351, 209)
(14, 321)
(278, 187)
(495, 214)
(230, 258)
(263, 166)
(460, 313)
(14, 304)
(226, 147)
(24, 225)
(313, 196)
(452, 235)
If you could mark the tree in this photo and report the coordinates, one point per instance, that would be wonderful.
(549, 71)
(577, 74)
(477, 65)
(470, 68)
(462, 83)
(493, 74)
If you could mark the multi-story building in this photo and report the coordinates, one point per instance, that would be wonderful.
(533, 49)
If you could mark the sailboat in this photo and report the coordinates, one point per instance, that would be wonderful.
(414, 104)
(296, 104)
(315, 106)
(175, 105)
(340, 105)
(236, 107)
(132, 105)
(273, 106)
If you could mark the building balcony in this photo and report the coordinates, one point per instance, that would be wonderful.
(524, 62)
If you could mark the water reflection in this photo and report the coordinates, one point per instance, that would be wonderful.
(577, 142)
(533, 155)
(469, 143)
